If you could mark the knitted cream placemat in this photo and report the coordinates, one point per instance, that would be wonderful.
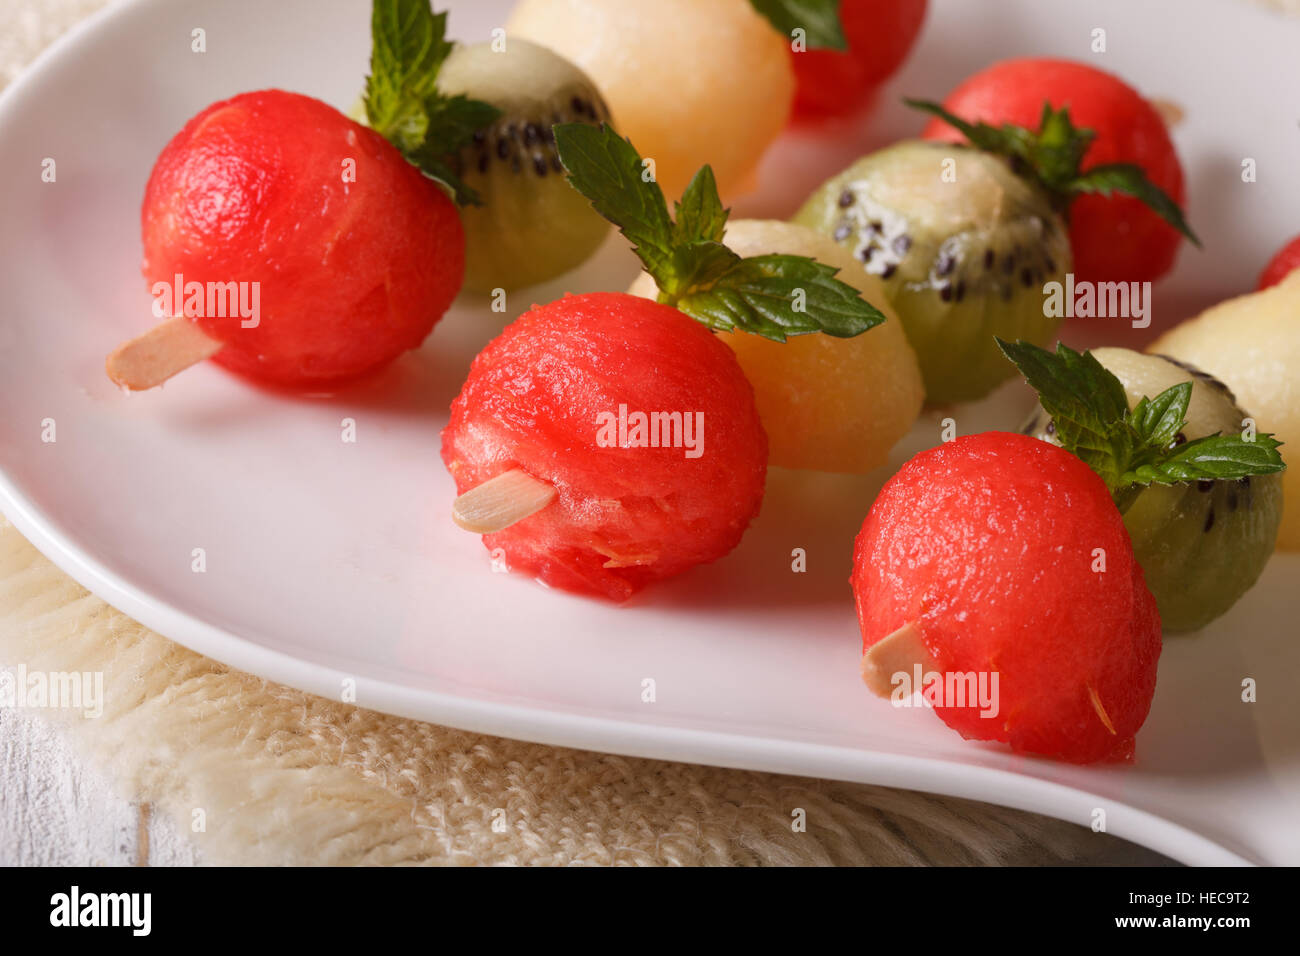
(277, 776)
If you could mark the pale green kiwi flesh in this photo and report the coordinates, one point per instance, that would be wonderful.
(964, 247)
(1201, 544)
(533, 225)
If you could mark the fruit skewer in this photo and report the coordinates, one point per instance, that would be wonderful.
(609, 515)
(306, 249)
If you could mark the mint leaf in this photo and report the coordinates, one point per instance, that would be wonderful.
(776, 296)
(700, 214)
(819, 19)
(607, 169)
(1053, 155)
(696, 265)
(1132, 449)
(773, 296)
(1067, 380)
(1217, 457)
(401, 98)
(1157, 421)
(1128, 179)
(453, 121)
(409, 46)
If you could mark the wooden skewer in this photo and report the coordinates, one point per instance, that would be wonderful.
(501, 501)
(1169, 111)
(897, 652)
(160, 353)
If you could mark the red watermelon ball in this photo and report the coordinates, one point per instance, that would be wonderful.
(540, 397)
(1113, 238)
(989, 543)
(880, 34)
(1281, 265)
(353, 262)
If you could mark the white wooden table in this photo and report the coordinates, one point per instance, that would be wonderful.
(57, 810)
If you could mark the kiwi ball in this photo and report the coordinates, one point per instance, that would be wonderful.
(1203, 543)
(533, 225)
(1252, 343)
(964, 247)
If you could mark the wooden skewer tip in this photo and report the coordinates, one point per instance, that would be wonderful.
(150, 359)
(499, 502)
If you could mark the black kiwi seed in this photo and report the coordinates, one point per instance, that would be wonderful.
(515, 164)
(961, 290)
(1027, 276)
(532, 134)
(539, 164)
(866, 252)
(843, 231)
(1209, 518)
(1232, 499)
(846, 199)
(945, 264)
(556, 164)
(1204, 484)
(889, 271)
(876, 225)
(503, 148)
(945, 292)
(902, 244)
(1008, 265)
(1050, 263)
(480, 136)
(988, 258)
(483, 161)
(579, 105)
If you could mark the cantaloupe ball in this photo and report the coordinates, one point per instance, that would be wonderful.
(689, 81)
(827, 404)
(1252, 344)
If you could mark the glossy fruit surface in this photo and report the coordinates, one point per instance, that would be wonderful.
(352, 253)
(689, 81)
(1115, 238)
(1202, 544)
(1011, 558)
(963, 247)
(541, 397)
(1252, 344)
(880, 35)
(827, 404)
(1281, 265)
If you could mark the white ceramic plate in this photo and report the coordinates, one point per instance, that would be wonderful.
(329, 562)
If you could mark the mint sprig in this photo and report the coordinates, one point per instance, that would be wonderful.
(1052, 157)
(819, 20)
(402, 100)
(1131, 449)
(774, 296)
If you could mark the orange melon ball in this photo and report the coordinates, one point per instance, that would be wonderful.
(689, 81)
(827, 404)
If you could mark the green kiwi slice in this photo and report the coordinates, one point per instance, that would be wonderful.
(1202, 544)
(964, 247)
(532, 225)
